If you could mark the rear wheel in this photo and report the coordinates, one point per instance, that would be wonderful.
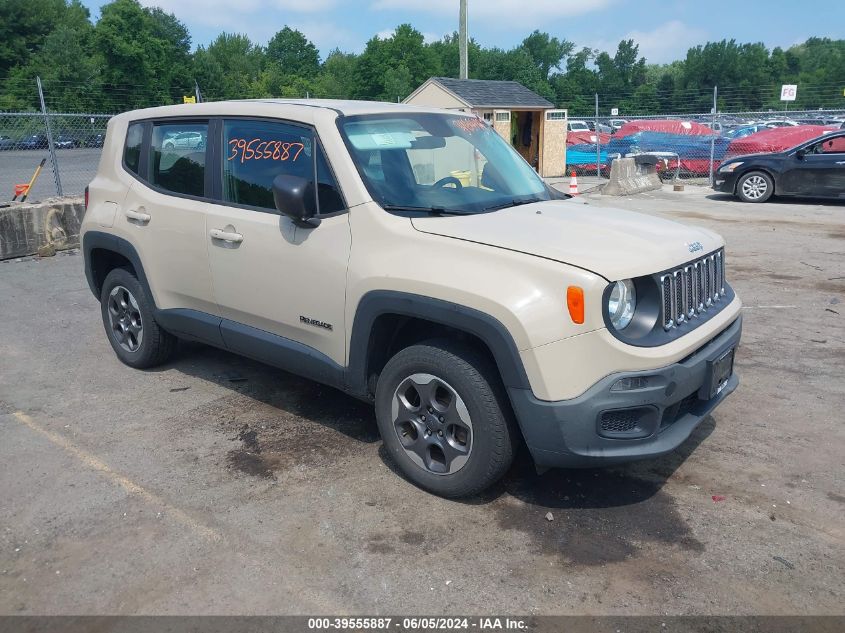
(444, 418)
(132, 331)
(755, 186)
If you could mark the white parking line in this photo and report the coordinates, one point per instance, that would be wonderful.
(124, 482)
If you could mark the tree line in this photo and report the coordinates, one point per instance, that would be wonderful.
(136, 56)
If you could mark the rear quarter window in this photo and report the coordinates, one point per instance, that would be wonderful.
(132, 148)
(177, 157)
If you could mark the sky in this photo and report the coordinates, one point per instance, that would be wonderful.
(664, 29)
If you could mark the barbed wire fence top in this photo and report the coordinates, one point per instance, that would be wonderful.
(77, 134)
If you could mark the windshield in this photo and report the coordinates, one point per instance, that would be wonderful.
(439, 163)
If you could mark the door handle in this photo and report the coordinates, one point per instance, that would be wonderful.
(226, 236)
(138, 215)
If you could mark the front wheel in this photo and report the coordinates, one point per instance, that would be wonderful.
(755, 186)
(444, 418)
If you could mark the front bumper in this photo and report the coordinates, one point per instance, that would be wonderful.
(603, 427)
(726, 182)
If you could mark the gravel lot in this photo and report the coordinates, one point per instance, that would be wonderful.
(219, 485)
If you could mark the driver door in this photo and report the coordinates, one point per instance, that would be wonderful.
(825, 168)
(270, 275)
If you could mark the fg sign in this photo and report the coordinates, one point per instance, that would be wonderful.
(614, 112)
(788, 92)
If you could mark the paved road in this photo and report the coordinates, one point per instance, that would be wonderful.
(77, 168)
(219, 485)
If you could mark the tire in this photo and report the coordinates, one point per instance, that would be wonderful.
(755, 186)
(466, 449)
(130, 326)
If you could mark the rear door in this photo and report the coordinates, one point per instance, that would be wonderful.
(163, 216)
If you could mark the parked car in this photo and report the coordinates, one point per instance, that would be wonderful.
(746, 130)
(94, 140)
(616, 124)
(411, 258)
(33, 141)
(779, 122)
(6, 143)
(577, 126)
(814, 169)
(185, 140)
(65, 141)
(604, 129)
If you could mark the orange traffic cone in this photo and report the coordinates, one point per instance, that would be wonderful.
(573, 185)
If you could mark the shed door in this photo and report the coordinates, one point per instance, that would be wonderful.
(502, 123)
(553, 156)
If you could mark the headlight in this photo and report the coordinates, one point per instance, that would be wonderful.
(730, 166)
(622, 303)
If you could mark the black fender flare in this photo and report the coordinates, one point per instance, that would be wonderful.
(93, 240)
(485, 327)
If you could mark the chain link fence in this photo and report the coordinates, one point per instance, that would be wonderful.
(688, 145)
(71, 162)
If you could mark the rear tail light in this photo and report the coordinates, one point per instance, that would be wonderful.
(86, 198)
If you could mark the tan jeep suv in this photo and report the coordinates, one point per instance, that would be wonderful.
(411, 258)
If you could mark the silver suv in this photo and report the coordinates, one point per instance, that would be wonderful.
(411, 258)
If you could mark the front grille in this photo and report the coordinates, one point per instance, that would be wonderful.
(621, 421)
(690, 290)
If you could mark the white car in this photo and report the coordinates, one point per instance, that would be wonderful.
(185, 140)
(578, 126)
(780, 122)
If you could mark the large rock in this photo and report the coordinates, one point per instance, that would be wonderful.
(52, 224)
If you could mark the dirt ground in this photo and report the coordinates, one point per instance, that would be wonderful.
(220, 485)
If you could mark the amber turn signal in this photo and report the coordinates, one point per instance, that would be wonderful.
(575, 303)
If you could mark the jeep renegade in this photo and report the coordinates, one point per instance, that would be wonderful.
(411, 258)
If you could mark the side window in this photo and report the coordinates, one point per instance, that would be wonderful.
(132, 149)
(177, 157)
(255, 152)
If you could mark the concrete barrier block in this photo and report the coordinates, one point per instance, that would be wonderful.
(627, 176)
(50, 225)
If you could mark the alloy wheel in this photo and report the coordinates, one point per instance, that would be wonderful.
(125, 319)
(432, 423)
(755, 187)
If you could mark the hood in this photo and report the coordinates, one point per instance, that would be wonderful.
(613, 243)
(752, 156)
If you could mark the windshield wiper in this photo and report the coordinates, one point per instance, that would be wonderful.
(429, 210)
(512, 203)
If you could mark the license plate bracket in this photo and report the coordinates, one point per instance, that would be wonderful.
(719, 373)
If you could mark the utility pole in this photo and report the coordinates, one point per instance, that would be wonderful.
(463, 42)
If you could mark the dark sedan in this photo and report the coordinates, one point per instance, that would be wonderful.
(814, 169)
(95, 140)
(33, 141)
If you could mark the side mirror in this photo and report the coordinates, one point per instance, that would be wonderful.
(800, 154)
(295, 198)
